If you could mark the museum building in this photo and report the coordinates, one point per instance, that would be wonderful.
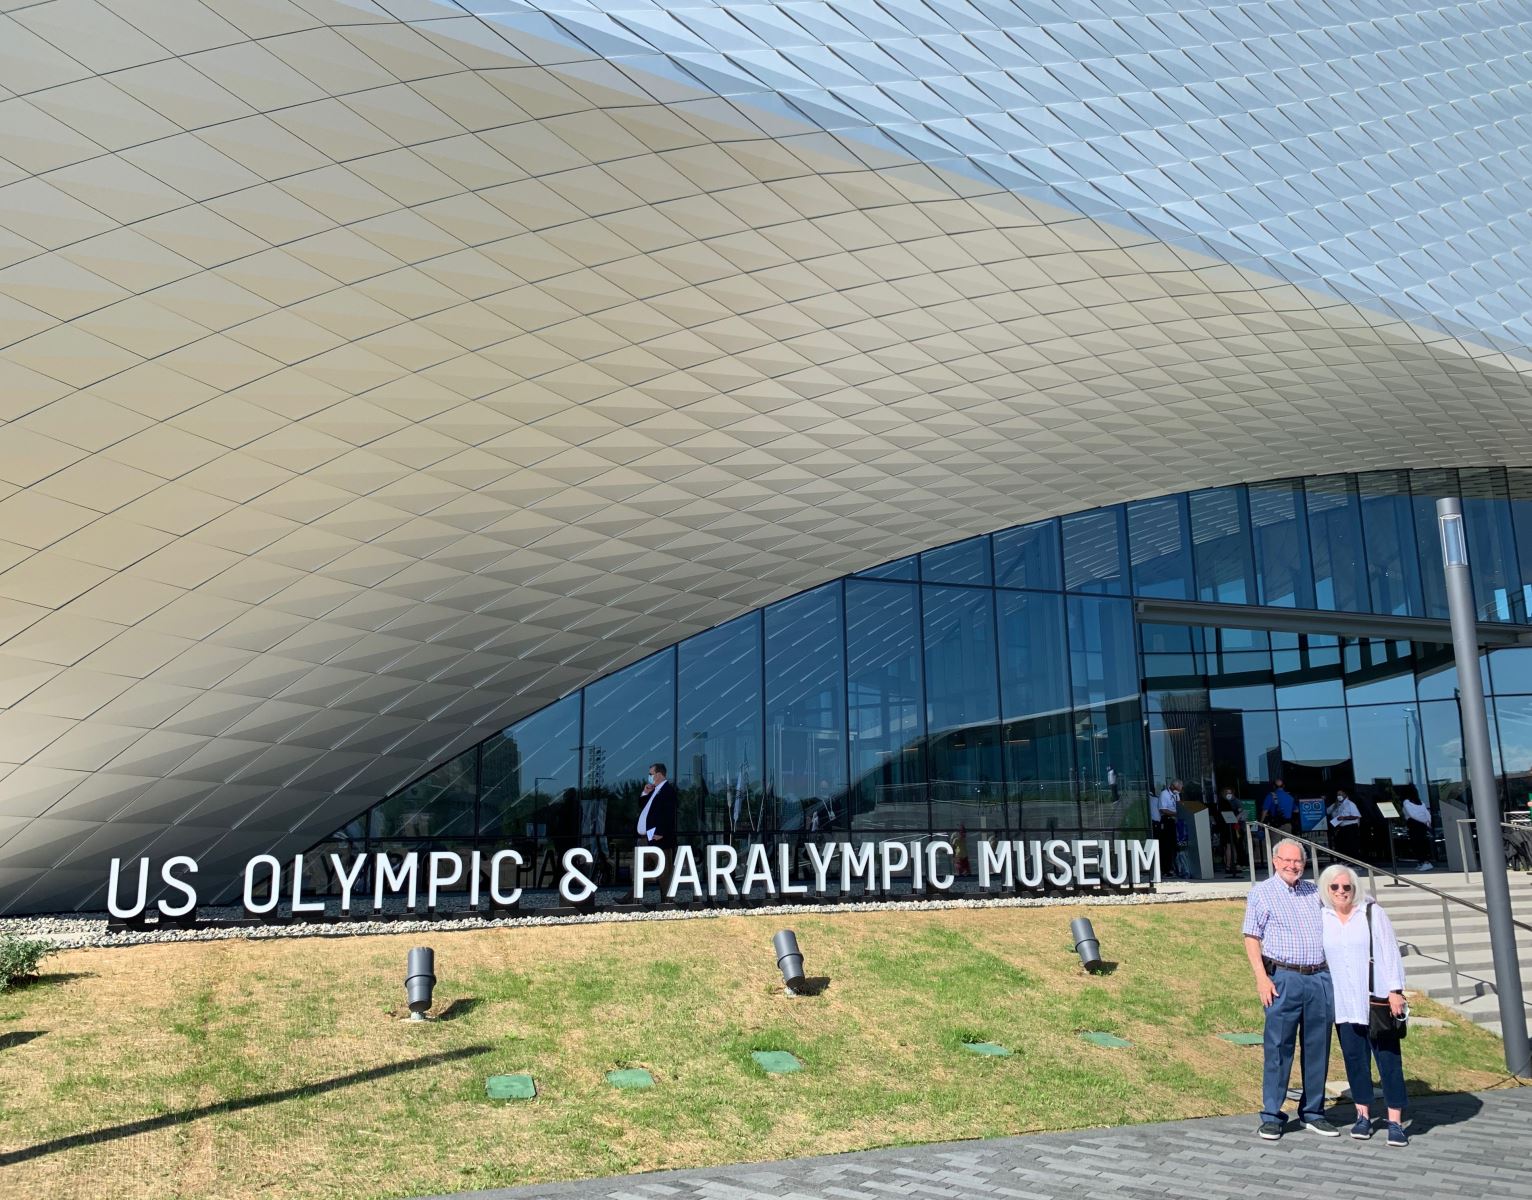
(419, 416)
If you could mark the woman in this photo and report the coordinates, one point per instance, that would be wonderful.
(1345, 825)
(1417, 820)
(1228, 829)
(1346, 937)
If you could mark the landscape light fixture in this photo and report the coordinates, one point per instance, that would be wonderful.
(1086, 944)
(790, 960)
(419, 979)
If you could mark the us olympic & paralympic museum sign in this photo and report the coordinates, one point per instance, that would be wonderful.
(862, 870)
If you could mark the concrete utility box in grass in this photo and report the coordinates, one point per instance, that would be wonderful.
(510, 1087)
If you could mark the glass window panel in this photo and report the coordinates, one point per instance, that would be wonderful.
(1436, 672)
(1028, 556)
(1221, 546)
(439, 804)
(1109, 759)
(900, 568)
(962, 709)
(630, 721)
(886, 715)
(1181, 747)
(720, 722)
(1427, 487)
(1316, 751)
(1103, 667)
(1378, 671)
(532, 774)
(1335, 543)
(1239, 669)
(1175, 667)
(1491, 542)
(1307, 670)
(1034, 672)
(1520, 488)
(1093, 552)
(961, 562)
(1034, 669)
(1513, 716)
(806, 711)
(1246, 752)
(1442, 735)
(1278, 529)
(1511, 669)
(1393, 563)
(1386, 749)
(1159, 548)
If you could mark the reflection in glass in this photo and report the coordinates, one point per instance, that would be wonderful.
(1109, 753)
(531, 777)
(1034, 673)
(1175, 670)
(1307, 670)
(1426, 488)
(1159, 548)
(1388, 523)
(887, 721)
(1279, 529)
(1103, 667)
(1519, 482)
(1386, 750)
(806, 711)
(1378, 671)
(1335, 540)
(900, 568)
(961, 562)
(1221, 546)
(1316, 751)
(719, 717)
(1513, 716)
(1093, 552)
(629, 723)
(963, 708)
(1028, 557)
(439, 804)
(1491, 542)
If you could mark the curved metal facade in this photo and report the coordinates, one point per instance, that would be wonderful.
(374, 374)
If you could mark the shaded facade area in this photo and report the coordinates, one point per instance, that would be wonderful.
(1031, 683)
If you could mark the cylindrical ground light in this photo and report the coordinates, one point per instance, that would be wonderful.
(419, 979)
(1085, 943)
(789, 959)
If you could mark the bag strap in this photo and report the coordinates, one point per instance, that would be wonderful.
(1371, 991)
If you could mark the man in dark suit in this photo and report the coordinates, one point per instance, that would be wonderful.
(657, 817)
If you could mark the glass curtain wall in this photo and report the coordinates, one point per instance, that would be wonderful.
(1001, 685)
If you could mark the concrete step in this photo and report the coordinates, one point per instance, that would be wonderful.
(1484, 1010)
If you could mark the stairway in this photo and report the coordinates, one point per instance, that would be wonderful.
(1417, 918)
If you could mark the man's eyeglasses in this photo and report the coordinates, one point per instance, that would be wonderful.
(1342, 887)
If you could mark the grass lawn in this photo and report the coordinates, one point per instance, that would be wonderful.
(257, 1068)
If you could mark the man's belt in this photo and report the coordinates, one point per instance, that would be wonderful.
(1272, 964)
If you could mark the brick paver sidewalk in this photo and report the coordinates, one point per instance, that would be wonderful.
(1465, 1145)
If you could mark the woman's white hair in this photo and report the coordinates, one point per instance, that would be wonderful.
(1328, 876)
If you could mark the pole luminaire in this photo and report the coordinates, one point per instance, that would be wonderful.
(1481, 778)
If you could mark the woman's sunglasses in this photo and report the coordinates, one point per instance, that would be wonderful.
(1342, 887)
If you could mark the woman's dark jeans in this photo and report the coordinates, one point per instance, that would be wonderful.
(1358, 1049)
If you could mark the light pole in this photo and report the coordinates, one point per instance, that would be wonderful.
(1481, 777)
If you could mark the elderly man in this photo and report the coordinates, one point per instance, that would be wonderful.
(1284, 940)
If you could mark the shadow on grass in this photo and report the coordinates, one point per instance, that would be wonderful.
(812, 985)
(35, 983)
(1104, 968)
(460, 1007)
(169, 1120)
(18, 1037)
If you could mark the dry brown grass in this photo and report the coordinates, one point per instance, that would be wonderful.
(177, 1070)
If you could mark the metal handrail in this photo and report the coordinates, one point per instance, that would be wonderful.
(1372, 873)
(1463, 841)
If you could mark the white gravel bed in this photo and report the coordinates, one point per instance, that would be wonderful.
(90, 929)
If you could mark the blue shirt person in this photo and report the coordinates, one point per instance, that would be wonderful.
(1279, 806)
(1284, 941)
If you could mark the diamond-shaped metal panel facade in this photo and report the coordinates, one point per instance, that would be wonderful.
(374, 373)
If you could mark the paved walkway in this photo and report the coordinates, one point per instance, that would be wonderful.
(1470, 1146)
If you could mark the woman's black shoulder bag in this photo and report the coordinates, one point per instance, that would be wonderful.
(1381, 1021)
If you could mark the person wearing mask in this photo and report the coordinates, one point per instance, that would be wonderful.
(1165, 826)
(1228, 822)
(1417, 821)
(657, 818)
(1365, 969)
(1345, 825)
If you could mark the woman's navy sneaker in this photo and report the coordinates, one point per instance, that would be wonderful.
(1396, 1134)
(1362, 1130)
